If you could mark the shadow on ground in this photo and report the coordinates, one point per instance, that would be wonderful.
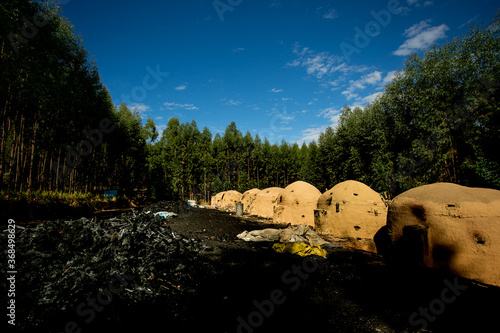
(247, 287)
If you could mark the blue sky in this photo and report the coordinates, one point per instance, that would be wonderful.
(279, 69)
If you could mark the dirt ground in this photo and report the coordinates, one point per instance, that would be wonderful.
(247, 287)
(350, 291)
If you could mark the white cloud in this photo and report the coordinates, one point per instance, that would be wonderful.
(337, 83)
(160, 128)
(310, 134)
(372, 78)
(142, 108)
(286, 118)
(468, 22)
(389, 77)
(319, 64)
(181, 87)
(312, 101)
(274, 4)
(417, 28)
(175, 106)
(230, 102)
(238, 49)
(331, 71)
(421, 36)
(331, 114)
(417, 3)
(316, 64)
(253, 107)
(327, 13)
(371, 98)
(331, 14)
(274, 90)
(349, 93)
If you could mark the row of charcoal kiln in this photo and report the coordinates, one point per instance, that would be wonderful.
(443, 225)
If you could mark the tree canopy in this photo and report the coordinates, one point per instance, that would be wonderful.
(437, 121)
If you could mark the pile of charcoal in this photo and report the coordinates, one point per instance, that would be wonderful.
(65, 263)
(178, 207)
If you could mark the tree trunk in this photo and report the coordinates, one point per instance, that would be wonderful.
(30, 180)
(258, 180)
(58, 169)
(205, 185)
(228, 167)
(5, 132)
(19, 157)
(248, 167)
(41, 179)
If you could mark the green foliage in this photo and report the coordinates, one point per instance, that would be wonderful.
(50, 96)
(51, 197)
(439, 120)
(195, 166)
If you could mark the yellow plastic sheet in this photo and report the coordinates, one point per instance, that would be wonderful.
(300, 249)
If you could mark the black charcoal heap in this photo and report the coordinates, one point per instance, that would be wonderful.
(63, 263)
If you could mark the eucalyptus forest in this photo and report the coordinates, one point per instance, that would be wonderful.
(437, 121)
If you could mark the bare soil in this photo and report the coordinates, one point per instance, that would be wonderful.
(350, 291)
(247, 287)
